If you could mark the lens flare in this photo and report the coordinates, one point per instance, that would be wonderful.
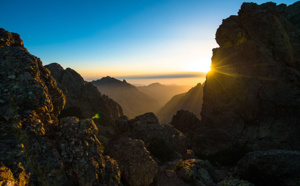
(97, 116)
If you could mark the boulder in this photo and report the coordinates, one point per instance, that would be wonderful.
(147, 128)
(195, 171)
(137, 166)
(186, 122)
(274, 167)
(78, 142)
(251, 95)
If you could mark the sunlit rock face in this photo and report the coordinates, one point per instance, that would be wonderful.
(36, 148)
(252, 94)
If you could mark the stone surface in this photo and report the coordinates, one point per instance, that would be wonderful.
(186, 122)
(147, 128)
(234, 182)
(137, 166)
(274, 167)
(35, 147)
(251, 95)
(195, 171)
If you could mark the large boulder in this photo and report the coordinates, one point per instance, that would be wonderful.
(186, 122)
(137, 166)
(274, 167)
(251, 95)
(81, 153)
(31, 136)
(147, 128)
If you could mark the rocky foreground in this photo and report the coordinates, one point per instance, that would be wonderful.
(57, 129)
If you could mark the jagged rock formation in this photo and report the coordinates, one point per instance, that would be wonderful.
(251, 95)
(83, 100)
(35, 147)
(136, 164)
(274, 167)
(147, 128)
(133, 101)
(163, 93)
(190, 101)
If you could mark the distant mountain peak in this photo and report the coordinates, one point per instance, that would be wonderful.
(110, 81)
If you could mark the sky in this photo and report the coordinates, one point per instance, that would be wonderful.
(121, 38)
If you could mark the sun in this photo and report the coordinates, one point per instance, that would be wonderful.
(198, 67)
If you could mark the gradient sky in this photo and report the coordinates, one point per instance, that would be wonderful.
(120, 37)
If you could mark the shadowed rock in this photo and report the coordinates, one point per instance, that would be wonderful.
(147, 128)
(251, 95)
(36, 148)
(274, 167)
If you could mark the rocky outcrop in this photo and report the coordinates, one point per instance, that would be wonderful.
(35, 148)
(251, 95)
(133, 101)
(81, 153)
(274, 167)
(190, 101)
(147, 128)
(83, 99)
(186, 122)
(137, 166)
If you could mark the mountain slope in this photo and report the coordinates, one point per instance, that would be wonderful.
(162, 93)
(191, 101)
(128, 96)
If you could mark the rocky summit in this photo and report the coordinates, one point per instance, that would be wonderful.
(36, 148)
(57, 129)
(251, 95)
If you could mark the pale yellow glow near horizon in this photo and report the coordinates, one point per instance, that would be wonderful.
(198, 67)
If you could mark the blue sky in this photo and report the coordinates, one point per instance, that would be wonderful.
(120, 37)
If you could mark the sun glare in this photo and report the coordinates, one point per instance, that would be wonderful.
(198, 67)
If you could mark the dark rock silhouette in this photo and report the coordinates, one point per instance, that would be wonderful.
(251, 95)
(190, 101)
(274, 167)
(186, 122)
(133, 101)
(37, 149)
